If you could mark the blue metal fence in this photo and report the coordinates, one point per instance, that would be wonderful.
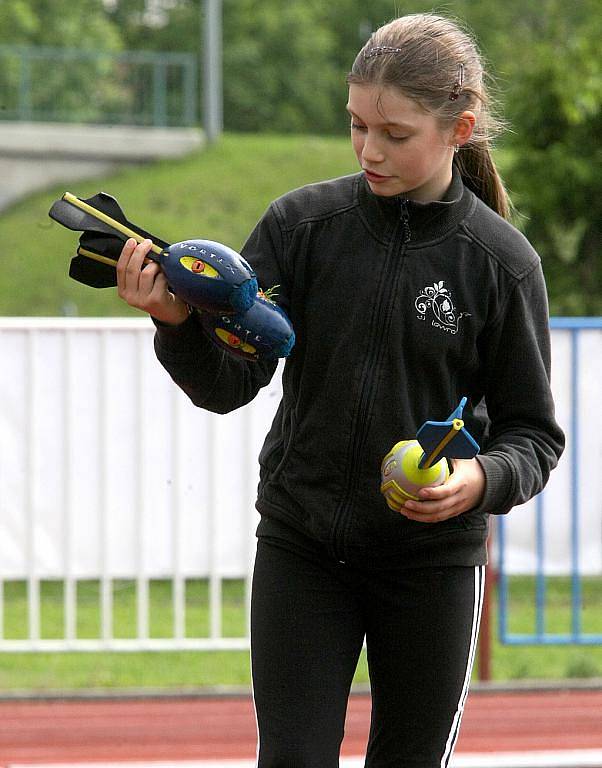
(72, 85)
(574, 588)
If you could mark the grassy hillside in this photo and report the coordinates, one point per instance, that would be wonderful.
(218, 194)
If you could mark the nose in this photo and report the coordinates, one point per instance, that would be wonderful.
(372, 151)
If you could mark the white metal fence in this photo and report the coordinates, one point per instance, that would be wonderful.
(108, 473)
(109, 476)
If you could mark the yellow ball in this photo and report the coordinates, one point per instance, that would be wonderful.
(401, 478)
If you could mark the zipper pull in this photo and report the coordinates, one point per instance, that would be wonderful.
(405, 218)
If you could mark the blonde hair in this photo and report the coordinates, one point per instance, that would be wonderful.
(433, 61)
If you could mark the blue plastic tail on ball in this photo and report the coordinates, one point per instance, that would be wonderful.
(243, 296)
(462, 445)
(457, 413)
(286, 348)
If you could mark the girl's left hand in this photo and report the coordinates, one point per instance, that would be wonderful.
(463, 491)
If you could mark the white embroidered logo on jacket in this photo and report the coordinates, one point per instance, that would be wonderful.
(437, 301)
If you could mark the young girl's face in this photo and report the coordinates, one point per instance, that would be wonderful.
(400, 147)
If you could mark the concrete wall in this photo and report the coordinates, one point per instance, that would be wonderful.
(34, 156)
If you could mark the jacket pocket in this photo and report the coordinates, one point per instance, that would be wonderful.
(268, 458)
(277, 447)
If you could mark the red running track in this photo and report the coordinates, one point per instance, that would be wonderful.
(224, 727)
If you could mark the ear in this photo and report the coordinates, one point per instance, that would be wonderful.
(464, 127)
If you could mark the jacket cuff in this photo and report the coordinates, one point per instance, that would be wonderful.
(177, 341)
(159, 324)
(499, 484)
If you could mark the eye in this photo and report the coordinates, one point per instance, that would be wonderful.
(398, 138)
(358, 127)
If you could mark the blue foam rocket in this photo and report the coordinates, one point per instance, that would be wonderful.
(264, 332)
(206, 275)
(446, 439)
(210, 277)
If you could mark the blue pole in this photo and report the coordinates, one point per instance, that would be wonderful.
(540, 595)
(575, 579)
(212, 69)
(24, 108)
(159, 93)
(503, 581)
(190, 90)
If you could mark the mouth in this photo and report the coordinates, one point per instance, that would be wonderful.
(375, 177)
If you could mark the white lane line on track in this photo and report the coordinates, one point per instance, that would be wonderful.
(570, 758)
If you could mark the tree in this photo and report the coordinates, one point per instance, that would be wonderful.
(554, 155)
(278, 68)
(48, 82)
(60, 23)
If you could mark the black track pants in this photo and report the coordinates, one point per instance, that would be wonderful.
(309, 616)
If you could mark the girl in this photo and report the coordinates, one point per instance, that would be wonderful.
(407, 288)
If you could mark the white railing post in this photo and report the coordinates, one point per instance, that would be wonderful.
(142, 585)
(213, 513)
(33, 582)
(178, 582)
(70, 584)
(249, 516)
(104, 533)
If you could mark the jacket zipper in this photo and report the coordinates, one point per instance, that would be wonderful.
(377, 343)
(405, 222)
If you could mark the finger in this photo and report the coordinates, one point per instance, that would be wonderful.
(439, 498)
(163, 305)
(424, 508)
(431, 518)
(449, 488)
(123, 261)
(134, 266)
(433, 515)
(160, 289)
(158, 295)
(150, 278)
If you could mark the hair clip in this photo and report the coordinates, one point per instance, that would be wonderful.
(456, 90)
(379, 50)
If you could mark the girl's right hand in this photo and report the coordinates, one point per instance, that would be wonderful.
(144, 286)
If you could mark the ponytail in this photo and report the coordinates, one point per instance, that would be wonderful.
(481, 176)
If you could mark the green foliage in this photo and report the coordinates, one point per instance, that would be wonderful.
(60, 23)
(280, 76)
(72, 89)
(544, 59)
(555, 169)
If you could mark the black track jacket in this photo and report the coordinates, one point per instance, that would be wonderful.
(399, 309)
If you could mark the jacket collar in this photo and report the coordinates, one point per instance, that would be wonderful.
(427, 221)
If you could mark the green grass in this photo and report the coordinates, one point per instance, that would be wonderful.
(556, 661)
(558, 614)
(218, 193)
(161, 615)
(51, 671)
(194, 669)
